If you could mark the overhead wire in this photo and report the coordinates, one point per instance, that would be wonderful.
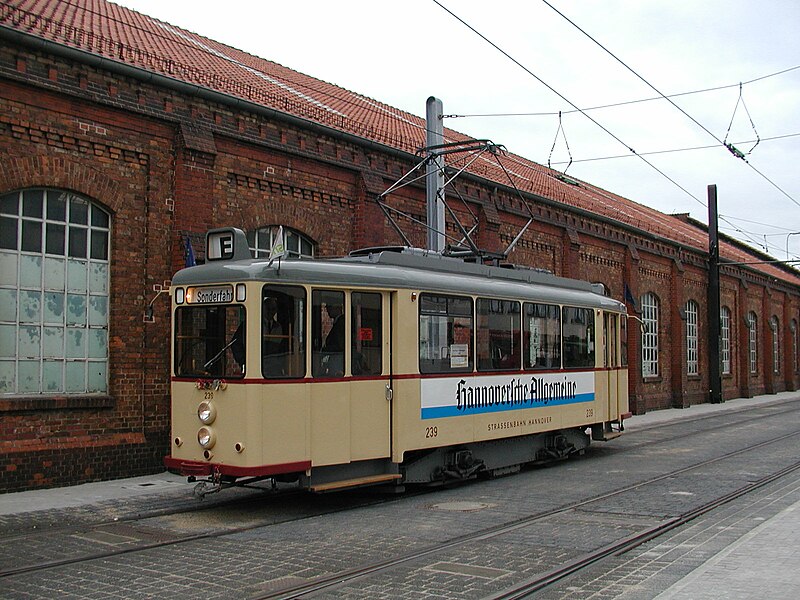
(565, 99)
(673, 150)
(651, 86)
(625, 102)
(762, 224)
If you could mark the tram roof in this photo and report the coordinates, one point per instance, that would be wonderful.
(407, 269)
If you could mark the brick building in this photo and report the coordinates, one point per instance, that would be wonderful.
(123, 139)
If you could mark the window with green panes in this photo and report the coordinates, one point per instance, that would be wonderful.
(297, 245)
(54, 281)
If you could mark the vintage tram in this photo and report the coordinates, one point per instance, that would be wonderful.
(390, 366)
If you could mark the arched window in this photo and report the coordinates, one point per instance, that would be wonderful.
(725, 339)
(54, 275)
(297, 244)
(774, 325)
(793, 329)
(691, 338)
(649, 304)
(752, 324)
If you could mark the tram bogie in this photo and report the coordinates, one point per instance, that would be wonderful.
(387, 368)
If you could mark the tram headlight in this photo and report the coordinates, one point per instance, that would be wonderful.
(206, 437)
(207, 412)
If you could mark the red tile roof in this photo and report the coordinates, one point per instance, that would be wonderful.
(124, 35)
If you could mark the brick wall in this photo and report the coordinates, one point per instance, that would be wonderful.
(166, 166)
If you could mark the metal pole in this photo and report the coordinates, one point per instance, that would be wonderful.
(714, 378)
(435, 174)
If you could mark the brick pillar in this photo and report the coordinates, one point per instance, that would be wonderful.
(677, 340)
(742, 349)
(195, 156)
(788, 345)
(488, 237)
(630, 276)
(369, 222)
(768, 357)
(571, 248)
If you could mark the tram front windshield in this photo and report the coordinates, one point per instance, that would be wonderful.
(210, 341)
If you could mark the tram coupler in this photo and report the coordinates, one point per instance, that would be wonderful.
(206, 487)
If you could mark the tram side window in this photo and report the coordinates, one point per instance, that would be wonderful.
(610, 357)
(497, 335)
(327, 333)
(542, 336)
(623, 338)
(283, 318)
(445, 334)
(366, 334)
(579, 337)
(205, 337)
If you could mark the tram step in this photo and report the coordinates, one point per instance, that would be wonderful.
(349, 483)
(604, 434)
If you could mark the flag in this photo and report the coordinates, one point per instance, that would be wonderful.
(278, 249)
(188, 253)
(629, 296)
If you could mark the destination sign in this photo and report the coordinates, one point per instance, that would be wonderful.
(209, 295)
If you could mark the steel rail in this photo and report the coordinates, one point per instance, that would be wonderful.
(626, 544)
(336, 580)
(351, 575)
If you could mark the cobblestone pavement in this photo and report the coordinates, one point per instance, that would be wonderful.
(750, 544)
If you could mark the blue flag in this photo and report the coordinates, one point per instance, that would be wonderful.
(188, 253)
(629, 296)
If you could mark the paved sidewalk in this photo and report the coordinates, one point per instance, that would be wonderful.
(761, 564)
(92, 493)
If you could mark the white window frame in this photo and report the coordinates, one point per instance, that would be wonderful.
(54, 294)
(297, 245)
(793, 329)
(692, 367)
(775, 326)
(649, 304)
(725, 339)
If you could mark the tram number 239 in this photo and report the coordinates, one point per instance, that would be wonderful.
(431, 432)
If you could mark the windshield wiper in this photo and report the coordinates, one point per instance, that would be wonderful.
(219, 354)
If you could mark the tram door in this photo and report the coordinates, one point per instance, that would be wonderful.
(370, 435)
(612, 362)
(349, 411)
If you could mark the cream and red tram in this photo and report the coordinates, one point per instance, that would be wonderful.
(393, 366)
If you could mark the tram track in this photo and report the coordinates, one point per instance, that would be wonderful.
(345, 577)
(39, 528)
(216, 533)
(625, 544)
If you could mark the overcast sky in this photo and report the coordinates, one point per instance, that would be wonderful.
(401, 52)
